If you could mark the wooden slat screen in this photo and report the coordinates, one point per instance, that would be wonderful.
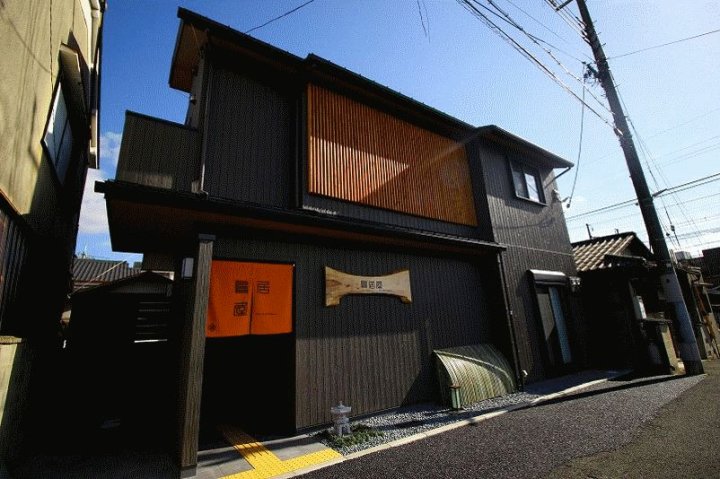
(365, 156)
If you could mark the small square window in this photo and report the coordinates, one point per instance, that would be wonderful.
(526, 180)
(58, 139)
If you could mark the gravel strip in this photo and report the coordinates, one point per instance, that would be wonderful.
(418, 418)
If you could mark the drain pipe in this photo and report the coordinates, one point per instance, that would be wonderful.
(510, 318)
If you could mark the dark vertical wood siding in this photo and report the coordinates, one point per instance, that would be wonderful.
(158, 153)
(249, 139)
(359, 154)
(537, 238)
(374, 352)
(13, 254)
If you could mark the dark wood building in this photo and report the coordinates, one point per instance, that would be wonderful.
(119, 370)
(628, 319)
(623, 303)
(290, 173)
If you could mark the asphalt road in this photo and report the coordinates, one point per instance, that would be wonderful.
(619, 429)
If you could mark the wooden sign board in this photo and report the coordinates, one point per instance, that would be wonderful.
(339, 284)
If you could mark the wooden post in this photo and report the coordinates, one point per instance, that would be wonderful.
(192, 358)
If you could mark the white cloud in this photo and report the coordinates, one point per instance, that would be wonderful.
(110, 149)
(93, 215)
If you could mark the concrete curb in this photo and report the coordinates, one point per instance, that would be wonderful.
(450, 427)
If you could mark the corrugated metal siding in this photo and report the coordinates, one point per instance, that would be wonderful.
(249, 140)
(537, 238)
(362, 155)
(373, 352)
(158, 153)
(13, 256)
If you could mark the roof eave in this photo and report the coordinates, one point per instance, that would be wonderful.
(499, 135)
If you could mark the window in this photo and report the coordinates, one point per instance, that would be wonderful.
(58, 139)
(526, 180)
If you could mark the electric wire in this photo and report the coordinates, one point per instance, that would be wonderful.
(577, 25)
(691, 120)
(537, 41)
(615, 57)
(577, 163)
(648, 159)
(467, 4)
(422, 21)
(541, 24)
(678, 188)
(280, 16)
(668, 159)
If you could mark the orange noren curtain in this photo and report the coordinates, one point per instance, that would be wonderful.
(249, 298)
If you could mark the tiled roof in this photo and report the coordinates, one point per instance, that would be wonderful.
(600, 253)
(90, 272)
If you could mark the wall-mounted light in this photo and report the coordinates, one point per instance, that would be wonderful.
(574, 282)
(187, 268)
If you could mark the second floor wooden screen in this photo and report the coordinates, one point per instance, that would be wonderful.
(362, 155)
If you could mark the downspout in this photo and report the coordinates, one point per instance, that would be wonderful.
(202, 110)
(202, 113)
(509, 316)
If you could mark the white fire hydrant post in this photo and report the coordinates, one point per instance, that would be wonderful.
(340, 419)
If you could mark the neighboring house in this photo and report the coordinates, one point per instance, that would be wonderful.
(709, 263)
(118, 365)
(89, 272)
(625, 313)
(293, 182)
(628, 320)
(714, 298)
(699, 304)
(49, 92)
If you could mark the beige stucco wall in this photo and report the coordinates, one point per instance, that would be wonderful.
(15, 364)
(31, 32)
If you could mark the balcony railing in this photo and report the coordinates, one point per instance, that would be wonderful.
(158, 153)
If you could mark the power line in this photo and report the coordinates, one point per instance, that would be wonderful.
(663, 45)
(670, 160)
(682, 187)
(280, 16)
(615, 219)
(422, 21)
(684, 123)
(577, 163)
(540, 23)
(572, 21)
(468, 5)
(506, 17)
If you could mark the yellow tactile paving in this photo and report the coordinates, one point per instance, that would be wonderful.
(266, 464)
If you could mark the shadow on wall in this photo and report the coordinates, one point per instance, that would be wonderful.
(15, 365)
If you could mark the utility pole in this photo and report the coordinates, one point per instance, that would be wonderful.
(689, 352)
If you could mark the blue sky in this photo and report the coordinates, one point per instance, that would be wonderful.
(450, 60)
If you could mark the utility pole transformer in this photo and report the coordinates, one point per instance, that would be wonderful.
(689, 352)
